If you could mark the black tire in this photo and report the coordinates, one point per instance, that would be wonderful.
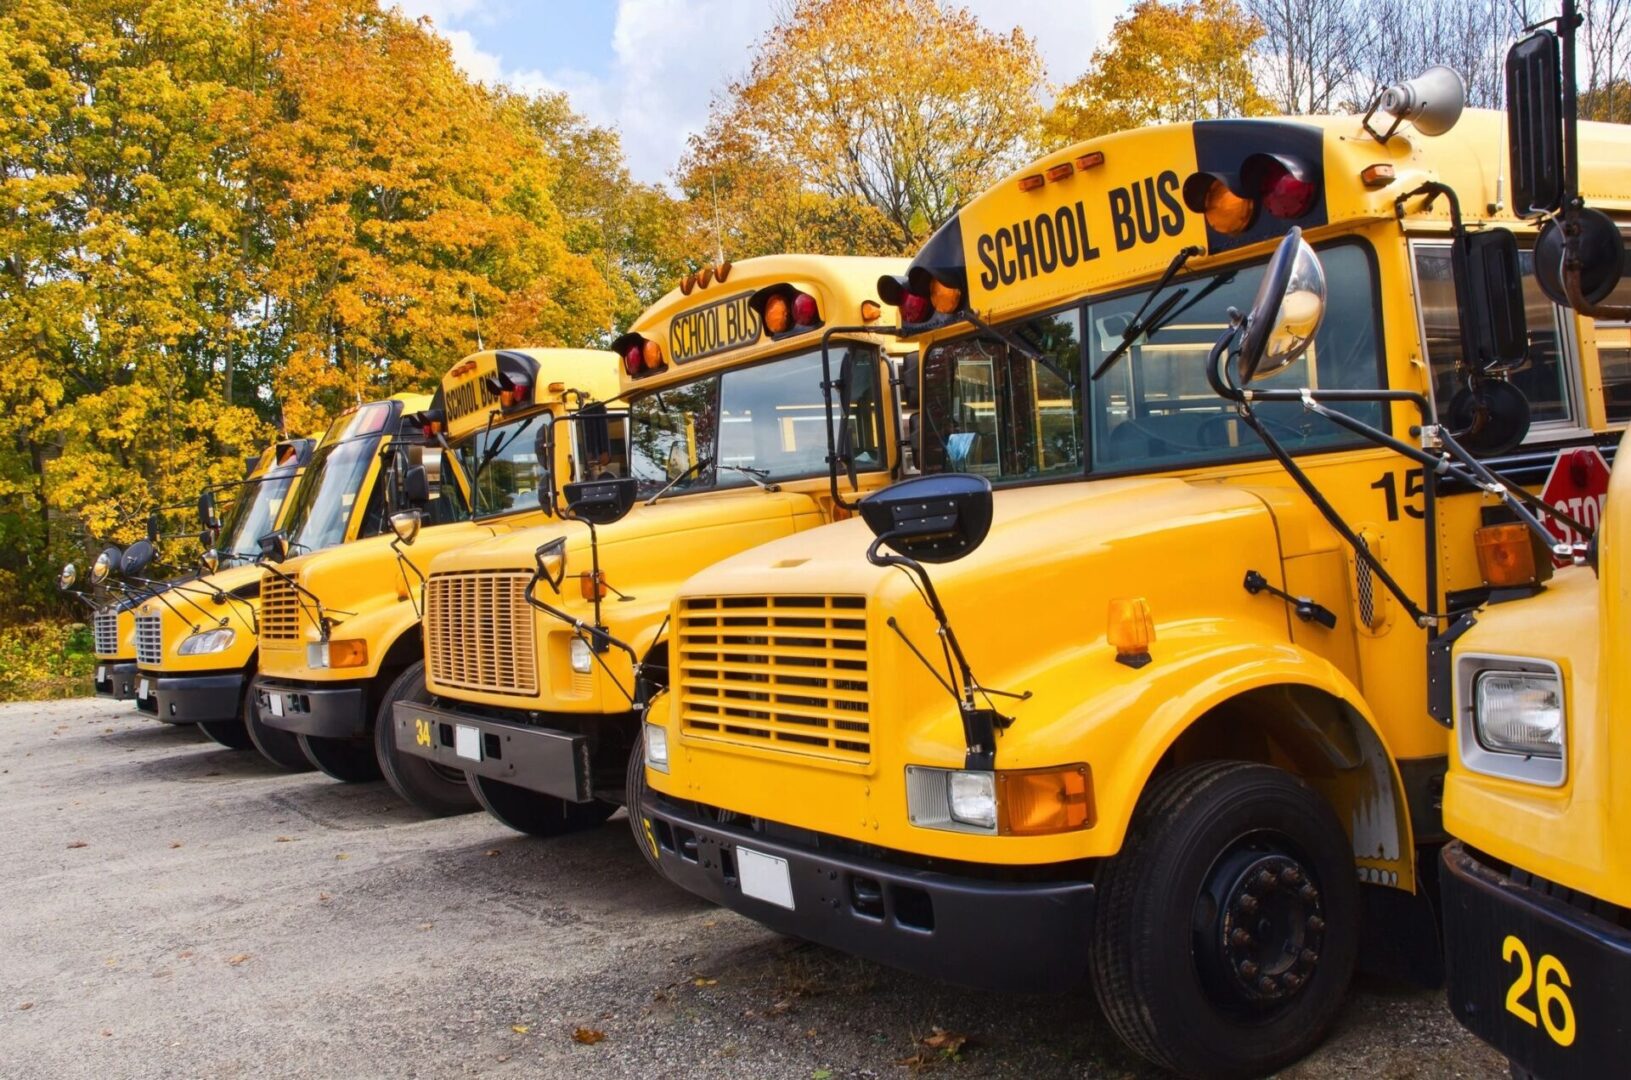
(435, 789)
(535, 814)
(1216, 851)
(350, 761)
(634, 795)
(281, 748)
(231, 734)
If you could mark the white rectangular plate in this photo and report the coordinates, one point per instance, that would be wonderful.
(764, 877)
(467, 742)
(101, 674)
(275, 701)
(141, 689)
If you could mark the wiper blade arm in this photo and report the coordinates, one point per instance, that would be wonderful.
(1138, 326)
(756, 475)
(696, 467)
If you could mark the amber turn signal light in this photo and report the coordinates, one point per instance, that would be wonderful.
(1031, 182)
(944, 298)
(1130, 628)
(1032, 802)
(1505, 555)
(352, 653)
(593, 586)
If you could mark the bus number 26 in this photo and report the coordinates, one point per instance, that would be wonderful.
(1553, 1010)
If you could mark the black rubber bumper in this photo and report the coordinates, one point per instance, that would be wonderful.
(329, 712)
(996, 935)
(539, 759)
(1506, 940)
(188, 699)
(116, 681)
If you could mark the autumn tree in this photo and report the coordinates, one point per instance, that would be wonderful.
(1163, 63)
(856, 108)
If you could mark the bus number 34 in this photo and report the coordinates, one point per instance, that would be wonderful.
(1551, 982)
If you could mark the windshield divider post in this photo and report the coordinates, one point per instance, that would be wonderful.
(827, 387)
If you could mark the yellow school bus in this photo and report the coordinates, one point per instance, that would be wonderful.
(727, 441)
(1164, 731)
(341, 628)
(259, 500)
(196, 651)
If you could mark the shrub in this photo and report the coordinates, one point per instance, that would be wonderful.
(46, 660)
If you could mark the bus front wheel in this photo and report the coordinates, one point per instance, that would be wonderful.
(281, 748)
(1227, 927)
(536, 814)
(435, 789)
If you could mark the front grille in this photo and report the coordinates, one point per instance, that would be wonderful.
(279, 612)
(479, 632)
(784, 673)
(106, 625)
(149, 641)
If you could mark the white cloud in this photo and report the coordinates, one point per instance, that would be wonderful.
(671, 57)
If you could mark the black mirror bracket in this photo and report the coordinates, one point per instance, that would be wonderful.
(827, 386)
(980, 725)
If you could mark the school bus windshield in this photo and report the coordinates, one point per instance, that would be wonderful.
(766, 421)
(254, 514)
(324, 502)
(504, 461)
(990, 409)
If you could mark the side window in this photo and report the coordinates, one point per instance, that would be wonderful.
(989, 409)
(374, 514)
(1545, 376)
(1614, 352)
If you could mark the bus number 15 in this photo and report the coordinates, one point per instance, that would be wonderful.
(1414, 487)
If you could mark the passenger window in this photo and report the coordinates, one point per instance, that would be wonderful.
(1543, 376)
(1614, 352)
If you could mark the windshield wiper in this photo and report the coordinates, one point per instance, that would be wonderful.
(696, 467)
(756, 475)
(1137, 328)
(497, 448)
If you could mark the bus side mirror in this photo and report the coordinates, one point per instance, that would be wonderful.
(1489, 292)
(935, 519)
(908, 381)
(69, 575)
(416, 486)
(1286, 313)
(274, 547)
(1534, 118)
(136, 558)
(601, 502)
(155, 527)
(107, 561)
(206, 511)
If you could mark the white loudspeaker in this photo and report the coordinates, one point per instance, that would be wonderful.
(1432, 100)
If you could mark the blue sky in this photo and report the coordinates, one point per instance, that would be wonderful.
(650, 67)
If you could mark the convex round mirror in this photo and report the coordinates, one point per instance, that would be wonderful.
(106, 563)
(69, 575)
(210, 560)
(136, 558)
(1286, 313)
(933, 519)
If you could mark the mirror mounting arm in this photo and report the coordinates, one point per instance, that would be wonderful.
(403, 561)
(827, 387)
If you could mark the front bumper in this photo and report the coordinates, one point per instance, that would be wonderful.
(997, 935)
(539, 759)
(116, 679)
(1512, 948)
(189, 699)
(328, 711)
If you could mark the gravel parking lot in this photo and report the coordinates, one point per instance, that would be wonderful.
(175, 909)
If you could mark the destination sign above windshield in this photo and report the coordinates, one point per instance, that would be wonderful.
(724, 324)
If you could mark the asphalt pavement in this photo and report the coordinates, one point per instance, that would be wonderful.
(172, 909)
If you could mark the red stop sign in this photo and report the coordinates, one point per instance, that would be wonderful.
(1577, 486)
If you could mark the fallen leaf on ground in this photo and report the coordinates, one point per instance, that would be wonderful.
(520, 1029)
(78, 843)
(588, 1036)
(185, 954)
(106, 1033)
(943, 1040)
(284, 840)
(342, 855)
(238, 961)
(323, 898)
(25, 1006)
(491, 853)
(503, 1057)
(175, 844)
(704, 982)
(778, 1008)
(425, 925)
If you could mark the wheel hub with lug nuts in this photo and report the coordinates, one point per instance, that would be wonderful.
(1260, 927)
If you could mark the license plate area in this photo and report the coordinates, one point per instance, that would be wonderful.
(764, 877)
(141, 689)
(467, 742)
(274, 702)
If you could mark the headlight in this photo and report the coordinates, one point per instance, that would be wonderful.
(317, 654)
(657, 747)
(1013, 802)
(337, 653)
(578, 652)
(210, 641)
(1519, 712)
